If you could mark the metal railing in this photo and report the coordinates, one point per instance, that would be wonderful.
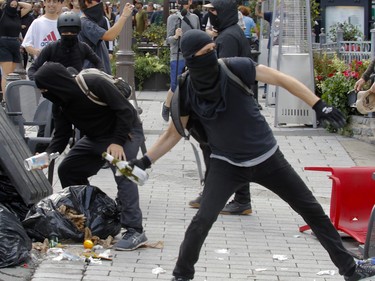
(346, 50)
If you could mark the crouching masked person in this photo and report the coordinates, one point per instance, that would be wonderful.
(114, 128)
(243, 152)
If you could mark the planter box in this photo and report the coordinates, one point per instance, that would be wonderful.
(156, 82)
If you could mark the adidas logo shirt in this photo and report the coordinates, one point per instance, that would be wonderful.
(41, 32)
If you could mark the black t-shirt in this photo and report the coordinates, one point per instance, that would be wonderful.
(236, 130)
(10, 26)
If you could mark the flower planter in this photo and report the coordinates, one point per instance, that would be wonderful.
(156, 82)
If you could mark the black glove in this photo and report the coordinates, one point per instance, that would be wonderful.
(143, 163)
(329, 113)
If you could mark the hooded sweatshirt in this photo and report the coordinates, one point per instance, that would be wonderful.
(71, 106)
(231, 41)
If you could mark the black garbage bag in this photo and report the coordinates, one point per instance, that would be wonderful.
(11, 199)
(14, 242)
(45, 219)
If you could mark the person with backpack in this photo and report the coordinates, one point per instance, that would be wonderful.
(109, 123)
(68, 50)
(230, 42)
(243, 152)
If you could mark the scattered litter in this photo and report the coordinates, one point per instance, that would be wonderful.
(97, 247)
(106, 255)
(66, 256)
(260, 269)
(92, 261)
(280, 257)
(222, 251)
(220, 259)
(158, 270)
(326, 272)
(155, 245)
(297, 236)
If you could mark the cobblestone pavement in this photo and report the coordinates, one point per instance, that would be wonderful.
(238, 247)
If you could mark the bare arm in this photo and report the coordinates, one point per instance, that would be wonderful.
(25, 8)
(271, 76)
(115, 30)
(166, 141)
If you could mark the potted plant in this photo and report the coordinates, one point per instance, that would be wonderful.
(151, 72)
(151, 68)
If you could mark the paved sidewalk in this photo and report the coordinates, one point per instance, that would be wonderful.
(238, 247)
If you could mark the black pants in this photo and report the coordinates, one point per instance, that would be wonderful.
(242, 195)
(85, 160)
(277, 175)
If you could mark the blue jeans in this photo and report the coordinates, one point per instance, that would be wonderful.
(277, 175)
(85, 160)
(176, 68)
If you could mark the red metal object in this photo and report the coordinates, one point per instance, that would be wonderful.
(352, 199)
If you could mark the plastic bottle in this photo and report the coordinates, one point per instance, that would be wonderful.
(135, 174)
(39, 160)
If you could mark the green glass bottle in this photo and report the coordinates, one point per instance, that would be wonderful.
(135, 174)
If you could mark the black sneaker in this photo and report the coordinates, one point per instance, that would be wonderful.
(180, 279)
(131, 240)
(196, 203)
(235, 208)
(362, 271)
(165, 112)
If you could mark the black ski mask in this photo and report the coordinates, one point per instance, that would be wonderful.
(204, 69)
(95, 13)
(69, 41)
(11, 11)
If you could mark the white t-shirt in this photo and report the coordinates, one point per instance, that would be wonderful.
(41, 32)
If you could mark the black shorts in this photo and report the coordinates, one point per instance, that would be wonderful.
(10, 49)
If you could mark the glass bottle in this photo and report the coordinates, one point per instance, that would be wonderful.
(135, 174)
(39, 160)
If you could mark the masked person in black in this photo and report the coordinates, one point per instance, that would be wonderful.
(114, 128)
(243, 152)
(230, 42)
(10, 29)
(94, 32)
(68, 50)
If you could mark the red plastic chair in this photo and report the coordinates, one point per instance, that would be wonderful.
(352, 199)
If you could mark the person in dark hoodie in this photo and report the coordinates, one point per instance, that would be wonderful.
(114, 128)
(68, 50)
(230, 42)
(93, 30)
(243, 151)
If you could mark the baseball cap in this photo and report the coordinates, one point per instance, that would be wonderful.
(209, 5)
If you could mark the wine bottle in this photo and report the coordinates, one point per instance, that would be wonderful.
(135, 174)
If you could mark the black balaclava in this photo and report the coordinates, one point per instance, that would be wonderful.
(10, 11)
(204, 69)
(227, 14)
(69, 41)
(95, 13)
(58, 81)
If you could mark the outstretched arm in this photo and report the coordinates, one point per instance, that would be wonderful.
(166, 141)
(271, 76)
(324, 112)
